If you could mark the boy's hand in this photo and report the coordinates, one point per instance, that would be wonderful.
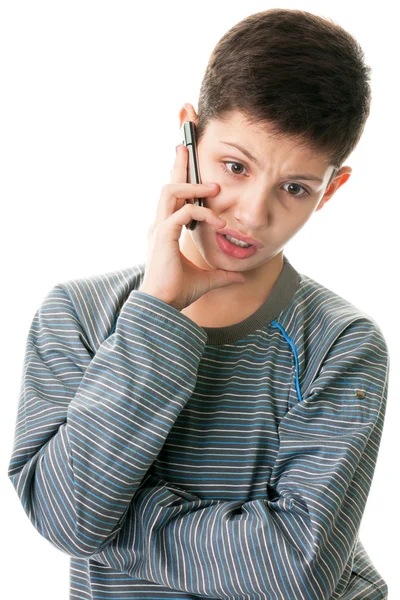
(169, 275)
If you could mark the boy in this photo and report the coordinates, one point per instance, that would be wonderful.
(207, 424)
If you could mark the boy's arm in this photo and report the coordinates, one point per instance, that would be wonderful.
(90, 425)
(296, 541)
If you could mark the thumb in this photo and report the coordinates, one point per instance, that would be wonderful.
(220, 278)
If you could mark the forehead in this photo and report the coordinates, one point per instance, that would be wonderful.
(260, 137)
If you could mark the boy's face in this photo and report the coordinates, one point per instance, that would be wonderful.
(269, 202)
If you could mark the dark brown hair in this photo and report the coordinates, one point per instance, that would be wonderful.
(302, 73)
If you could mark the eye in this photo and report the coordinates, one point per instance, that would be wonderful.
(228, 171)
(296, 185)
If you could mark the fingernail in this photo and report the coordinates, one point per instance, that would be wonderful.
(176, 148)
(212, 186)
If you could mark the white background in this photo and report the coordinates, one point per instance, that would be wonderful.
(90, 95)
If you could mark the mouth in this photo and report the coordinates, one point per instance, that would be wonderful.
(238, 236)
(234, 250)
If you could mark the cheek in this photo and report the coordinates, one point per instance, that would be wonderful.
(299, 210)
(299, 220)
(285, 219)
(211, 172)
(211, 169)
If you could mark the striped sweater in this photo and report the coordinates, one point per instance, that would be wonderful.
(170, 460)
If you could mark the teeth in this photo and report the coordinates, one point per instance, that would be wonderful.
(237, 242)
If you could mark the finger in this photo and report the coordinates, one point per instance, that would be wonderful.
(179, 169)
(185, 215)
(173, 197)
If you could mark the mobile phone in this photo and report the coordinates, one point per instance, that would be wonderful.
(188, 133)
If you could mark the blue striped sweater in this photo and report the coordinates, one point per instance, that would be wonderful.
(170, 460)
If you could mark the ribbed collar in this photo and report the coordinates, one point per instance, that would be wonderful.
(281, 294)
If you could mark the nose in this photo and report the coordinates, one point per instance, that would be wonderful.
(253, 210)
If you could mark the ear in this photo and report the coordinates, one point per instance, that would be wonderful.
(340, 178)
(187, 113)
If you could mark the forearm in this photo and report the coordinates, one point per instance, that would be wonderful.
(222, 549)
(76, 466)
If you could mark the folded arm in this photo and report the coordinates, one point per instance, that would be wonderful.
(296, 541)
(90, 423)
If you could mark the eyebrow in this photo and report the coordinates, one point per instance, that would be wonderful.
(255, 161)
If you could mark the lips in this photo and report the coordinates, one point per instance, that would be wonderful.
(240, 236)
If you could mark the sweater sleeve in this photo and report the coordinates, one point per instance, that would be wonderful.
(297, 541)
(90, 424)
